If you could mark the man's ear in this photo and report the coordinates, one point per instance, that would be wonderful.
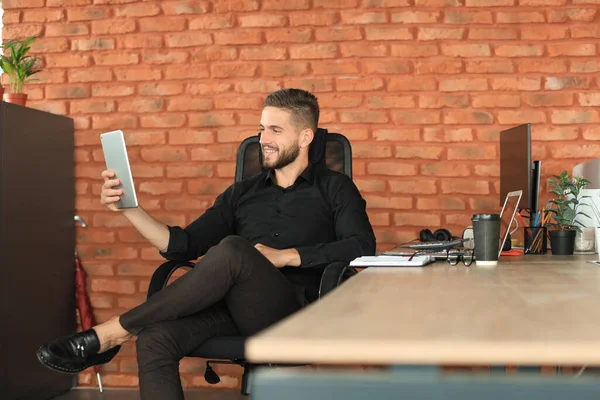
(306, 137)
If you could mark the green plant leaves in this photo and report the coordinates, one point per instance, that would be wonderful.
(17, 64)
(567, 200)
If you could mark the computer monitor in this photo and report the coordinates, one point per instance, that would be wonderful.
(517, 171)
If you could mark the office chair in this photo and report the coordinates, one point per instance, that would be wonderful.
(334, 150)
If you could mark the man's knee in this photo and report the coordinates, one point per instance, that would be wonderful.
(156, 342)
(235, 245)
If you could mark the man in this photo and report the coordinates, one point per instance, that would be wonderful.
(265, 242)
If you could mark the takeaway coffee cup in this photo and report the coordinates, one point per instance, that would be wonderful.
(486, 232)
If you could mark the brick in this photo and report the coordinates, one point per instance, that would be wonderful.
(141, 105)
(262, 20)
(67, 92)
(416, 17)
(440, 203)
(414, 50)
(463, 84)
(95, 268)
(67, 3)
(518, 50)
(546, 65)
(55, 107)
(337, 34)
(9, 4)
(11, 17)
(542, 2)
(137, 74)
(238, 102)
(443, 101)
(285, 5)
(390, 102)
(222, 70)
(112, 90)
(439, 3)
(187, 39)
(160, 188)
(421, 152)
(404, 134)
(414, 186)
(465, 50)
(275, 69)
(395, 203)
(567, 82)
(238, 37)
(66, 29)
(211, 21)
(362, 17)
(554, 133)
(585, 31)
(263, 53)
(391, 168)
(417, 219)
(504, 33)
(572, 14)
(574, 117)
(162, 24)
(190, 171)
(233, 135)
(389, 33)
(49, 45)
(470, 186)
(121, 286)
(204, 187)
(370, 150)
(172, 57)
(146, 41)
(489, 3)
(571, 49)
(92, 44)
(370, 185)
(186, 203)
(467, 17)
(313, 18)
(143, 138)
(438, 67)
(496, 100)
(162, 121)
(379, 218)
(334, 67)
(416, 117)
(361, 50)
(116, 58)
(91, 106)
(113, 27)
(577, 151)
(467, 117)
(224, 6)
(313, 51)
(87, 14)
(184, 72)
(521, 116)
(43, 15)
(114, 121)
(472, 152)
(293, 35)
(262, 86)
(588, 99)
(180, 137)
(447, 135)
(220, 118)
(382, 3)
(359, 84)
(214, 53)
(487, 170)
(489, 67)
(122, 380)
(544, 33)
(67, 60)
(49, 76)
(520, 17)
(361, 116)
(411, 83)
(137, 10)
(591, 133)
(516, 83)
(440, 33)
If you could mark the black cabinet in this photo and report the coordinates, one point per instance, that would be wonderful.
(37, 243)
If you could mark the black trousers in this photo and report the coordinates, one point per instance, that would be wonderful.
(233, 290)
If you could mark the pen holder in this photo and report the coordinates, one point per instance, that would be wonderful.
(535, 240)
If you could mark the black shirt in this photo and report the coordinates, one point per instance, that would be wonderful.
(322, 215)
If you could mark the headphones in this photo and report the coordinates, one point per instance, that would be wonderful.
(441, 235)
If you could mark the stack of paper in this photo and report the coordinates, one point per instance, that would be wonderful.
(391, 261)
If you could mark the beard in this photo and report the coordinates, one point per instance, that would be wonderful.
(285, 157)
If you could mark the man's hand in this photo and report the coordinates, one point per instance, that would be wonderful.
(280, 258)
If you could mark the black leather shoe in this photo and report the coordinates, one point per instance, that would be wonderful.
(74, 353)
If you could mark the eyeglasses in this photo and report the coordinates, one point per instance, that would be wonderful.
(453, 256)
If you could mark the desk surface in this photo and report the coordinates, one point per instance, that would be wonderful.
(541, 311)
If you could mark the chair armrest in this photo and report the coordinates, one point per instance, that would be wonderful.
(163, 273)
(334, 275)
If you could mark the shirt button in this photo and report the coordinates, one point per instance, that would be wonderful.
(278, 211)
(276, 234)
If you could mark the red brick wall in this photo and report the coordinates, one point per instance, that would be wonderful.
(421, 87)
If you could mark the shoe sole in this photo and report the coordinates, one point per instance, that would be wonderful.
(57, 368)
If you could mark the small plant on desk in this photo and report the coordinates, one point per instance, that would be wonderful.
(19, 66)
(564, 210)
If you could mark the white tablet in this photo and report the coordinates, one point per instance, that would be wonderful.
(115, 154)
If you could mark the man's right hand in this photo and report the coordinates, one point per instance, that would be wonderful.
(109, 195)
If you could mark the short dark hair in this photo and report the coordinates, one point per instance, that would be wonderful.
(302, 104)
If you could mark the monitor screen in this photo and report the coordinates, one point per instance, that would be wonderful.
(515, 163)
(508, 214)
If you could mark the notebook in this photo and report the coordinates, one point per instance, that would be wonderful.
(392, 261)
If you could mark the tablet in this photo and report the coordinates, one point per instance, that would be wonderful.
(115, 154)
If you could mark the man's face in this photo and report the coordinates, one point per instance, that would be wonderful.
(278, 139)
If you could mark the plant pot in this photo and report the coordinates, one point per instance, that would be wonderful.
(16, 98)
(563, 242)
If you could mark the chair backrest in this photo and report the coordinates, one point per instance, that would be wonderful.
(337, 149)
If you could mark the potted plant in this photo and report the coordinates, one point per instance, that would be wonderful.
(564, 210)
(19, 67)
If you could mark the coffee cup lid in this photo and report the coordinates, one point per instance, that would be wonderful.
(485, 217)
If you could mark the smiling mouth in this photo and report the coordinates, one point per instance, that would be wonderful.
(267, 151)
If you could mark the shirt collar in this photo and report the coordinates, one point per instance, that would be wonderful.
(307, 175)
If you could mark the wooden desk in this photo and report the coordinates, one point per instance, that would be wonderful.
(540, 311)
